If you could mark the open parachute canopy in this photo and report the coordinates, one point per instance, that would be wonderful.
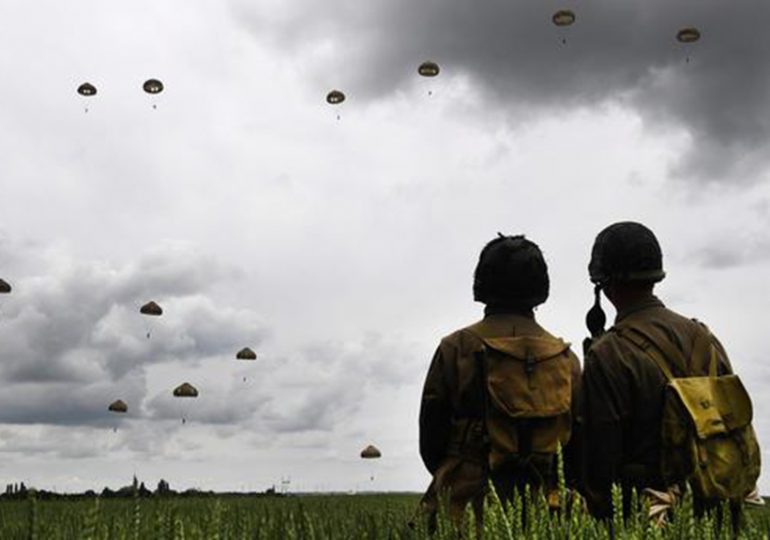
(185, 390)
(152, 86)
(5, 287)
(428, 69)
(118, 406)
(370, 452)
(335, 97)
(246, 354)
(151, 308)
(563, 17)
(688, 35)
(87, 89)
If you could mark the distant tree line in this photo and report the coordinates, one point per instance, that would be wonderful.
(135, 489)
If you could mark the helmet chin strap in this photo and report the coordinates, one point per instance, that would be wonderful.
(595, 319)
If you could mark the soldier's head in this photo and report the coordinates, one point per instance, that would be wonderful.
(511, 273)
(626, 260)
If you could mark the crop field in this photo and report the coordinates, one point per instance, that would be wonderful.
(376, 516)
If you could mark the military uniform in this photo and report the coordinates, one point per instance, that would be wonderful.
(622, 400)
(452, 442)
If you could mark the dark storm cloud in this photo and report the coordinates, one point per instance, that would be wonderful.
(615, 52)
(72, 341)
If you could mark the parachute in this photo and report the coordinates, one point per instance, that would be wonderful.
(87, 90)
(563, 17)
(151, 308)
(688, 35)
(118, 406)
(428, 69)
(5, 287)
(246, 354)
(153, 86)
(370, 452)
(185, 390)
(335, 97)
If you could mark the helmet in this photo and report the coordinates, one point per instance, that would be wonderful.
(626, 251)
(511, 271)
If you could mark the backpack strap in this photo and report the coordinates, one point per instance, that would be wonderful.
(662, 351)
(649, 347)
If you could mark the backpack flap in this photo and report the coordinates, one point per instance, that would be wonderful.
(715, 405)
(528, 376)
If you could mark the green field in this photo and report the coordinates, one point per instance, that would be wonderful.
(381, 516)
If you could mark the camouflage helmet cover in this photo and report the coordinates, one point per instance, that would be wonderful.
(626, 251)
(511, 271)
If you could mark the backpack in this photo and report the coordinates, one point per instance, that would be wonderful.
(527, 389)
(707, 438)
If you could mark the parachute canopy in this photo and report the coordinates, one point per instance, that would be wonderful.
(246, 354)
(87, 89)
(688, 35)
(563, 17)
(153, 86)
(335, 97)
(5, 287)
(370, 452)
(118, 406)
(151, 308)
(428, 69)
(185, 390)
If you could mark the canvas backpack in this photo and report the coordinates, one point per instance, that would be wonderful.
(527, 388)
(707, 438)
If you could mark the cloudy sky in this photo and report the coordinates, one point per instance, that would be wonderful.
(341, 250)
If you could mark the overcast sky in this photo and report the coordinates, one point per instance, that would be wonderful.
(342, 250)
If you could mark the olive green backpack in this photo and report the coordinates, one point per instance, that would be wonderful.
(706, 435)
(528, 396)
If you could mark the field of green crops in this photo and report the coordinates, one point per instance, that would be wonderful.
(332, 516)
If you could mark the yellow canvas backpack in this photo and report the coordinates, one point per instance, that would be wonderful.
(528, 396)
(707, 438)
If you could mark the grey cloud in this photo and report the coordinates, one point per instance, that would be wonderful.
(616, 52)
(216, 407)
(731, 253)
(60, 442)
(64, 403)
(326, 385)
(72, 341)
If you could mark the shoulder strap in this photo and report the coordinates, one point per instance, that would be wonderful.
(643, 342)
(662, 351)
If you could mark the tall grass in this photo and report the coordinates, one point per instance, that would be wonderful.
(371, 517)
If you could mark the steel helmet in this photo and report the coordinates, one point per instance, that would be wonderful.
(626, 251)
(511, 271)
